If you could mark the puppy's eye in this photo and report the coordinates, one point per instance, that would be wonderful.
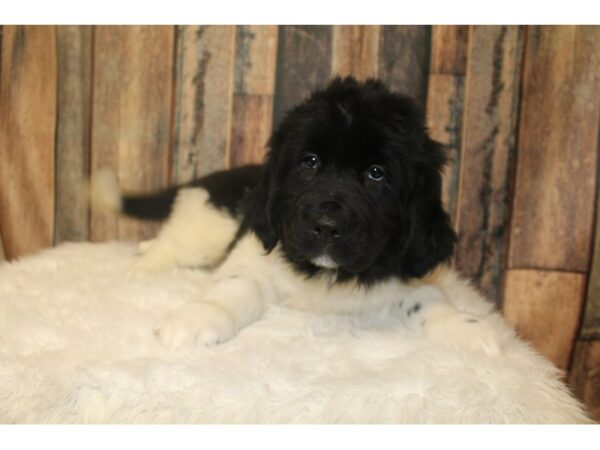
(311, 161)
(375, 173)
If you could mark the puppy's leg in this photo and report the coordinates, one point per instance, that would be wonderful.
(429, 311)
(227, 307)
(237, 297)
(197, 233)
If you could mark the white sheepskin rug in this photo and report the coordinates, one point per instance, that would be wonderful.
(77, 344)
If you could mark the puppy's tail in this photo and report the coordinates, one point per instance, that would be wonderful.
(105, 193)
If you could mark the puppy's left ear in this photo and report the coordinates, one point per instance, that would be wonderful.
(260, 207)
(432, 238)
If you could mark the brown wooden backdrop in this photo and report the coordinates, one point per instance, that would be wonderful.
(517, 106)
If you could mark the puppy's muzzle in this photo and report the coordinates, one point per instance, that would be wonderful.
(325, 228)
(324, 222)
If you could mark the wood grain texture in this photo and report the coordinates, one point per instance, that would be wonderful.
(131, 133)
(488, 154)
(254, 88)
(255, 59)
(584, 377)
(303, 64)
(449, 49)
(445, 98)
(556, 169)
(544, 307)
(253, 116)
(27, 124)
(590, 327)
(203, 100)
(74, 53)
(404, 59)
(2, 252)
(355, 51)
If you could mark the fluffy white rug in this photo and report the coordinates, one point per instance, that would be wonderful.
(77, 345)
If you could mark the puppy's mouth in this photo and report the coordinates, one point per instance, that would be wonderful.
(324, 261)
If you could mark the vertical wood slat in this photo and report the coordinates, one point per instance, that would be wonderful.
(584, 376)
(445, 98)
(590, 327)
(254, 88)
(556, 169)
(131, 132)
(355, 51)
(544, 307)
(591, 319)
(488, 154)
(449, 49)
(404, 53)
(27, 129)
(74, 53)
(303, 64)
(2, 252)
(203, 96)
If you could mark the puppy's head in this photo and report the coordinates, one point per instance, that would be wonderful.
(352, 183)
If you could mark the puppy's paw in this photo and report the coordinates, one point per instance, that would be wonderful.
(428, 310)
(465, 331)
(197, 323)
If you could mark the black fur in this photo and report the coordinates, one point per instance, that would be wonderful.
(226, 188)
(374, 229)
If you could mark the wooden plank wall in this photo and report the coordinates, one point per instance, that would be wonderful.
(27, 122)
(517, 108)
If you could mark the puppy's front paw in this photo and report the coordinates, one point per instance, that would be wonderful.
(428, 310)
(197, 323)
(464, 331)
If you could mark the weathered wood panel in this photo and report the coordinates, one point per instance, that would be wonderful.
(303, 64)
(556, 169)
(355, 51)
(584, 377)
(203, 99)
(590, 328)
(253, 115)
(488, 154)
(27, 123)
(254, 88)
(449, 49)
(255, 59)
(445, 98)
(2, 252)
(132, 93)
(74, 53)
(544, 307)
(404, 59)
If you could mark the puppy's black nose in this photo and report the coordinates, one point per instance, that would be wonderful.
(325, 228)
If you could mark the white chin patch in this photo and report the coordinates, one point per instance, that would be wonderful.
(325, 262)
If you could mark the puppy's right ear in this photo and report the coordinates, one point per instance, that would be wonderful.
(260, 208)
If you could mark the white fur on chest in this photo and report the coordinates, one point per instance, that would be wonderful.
(283, 285)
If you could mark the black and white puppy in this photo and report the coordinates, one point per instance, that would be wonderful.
(344, 215)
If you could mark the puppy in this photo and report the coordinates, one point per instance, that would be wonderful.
(345, 215)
